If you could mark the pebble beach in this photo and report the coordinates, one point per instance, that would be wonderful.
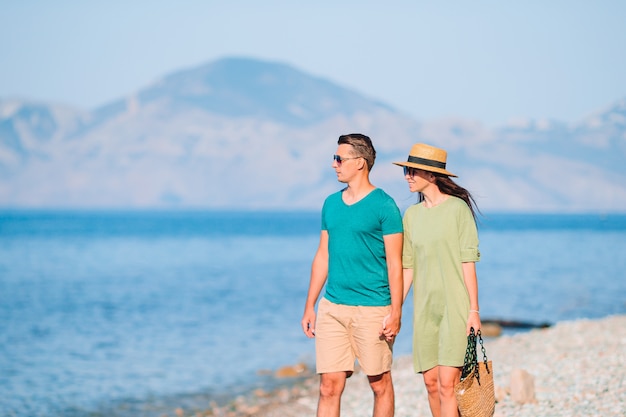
(578, 368)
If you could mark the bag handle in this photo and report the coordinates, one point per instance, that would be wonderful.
(482, 348)
(470, 364)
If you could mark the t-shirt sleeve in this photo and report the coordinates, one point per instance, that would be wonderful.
(324, 210)
(390, 219)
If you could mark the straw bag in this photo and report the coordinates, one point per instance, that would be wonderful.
(475, 393)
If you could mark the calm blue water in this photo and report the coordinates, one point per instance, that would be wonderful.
(137, 313)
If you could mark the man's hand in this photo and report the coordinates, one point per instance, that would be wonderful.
(390, 327)
(308, 323)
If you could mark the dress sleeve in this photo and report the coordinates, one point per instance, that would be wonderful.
(468, 236)
(407, 247)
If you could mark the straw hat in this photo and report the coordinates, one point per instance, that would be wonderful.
(428, 158)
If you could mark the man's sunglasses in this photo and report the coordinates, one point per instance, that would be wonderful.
(340, 159)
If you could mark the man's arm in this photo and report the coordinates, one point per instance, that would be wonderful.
(319, 273)
(393, 252)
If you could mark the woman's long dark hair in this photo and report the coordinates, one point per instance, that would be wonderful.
(447, 186)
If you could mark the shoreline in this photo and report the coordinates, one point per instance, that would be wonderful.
(578, 368)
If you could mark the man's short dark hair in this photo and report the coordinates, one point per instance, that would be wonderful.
(362, 147)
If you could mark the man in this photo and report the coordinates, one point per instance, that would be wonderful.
(359, 258)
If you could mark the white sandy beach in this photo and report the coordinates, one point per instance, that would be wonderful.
(578, 367)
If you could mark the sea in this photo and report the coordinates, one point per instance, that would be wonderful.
(137, 313)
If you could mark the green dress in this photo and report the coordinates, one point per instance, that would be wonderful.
(437, 241)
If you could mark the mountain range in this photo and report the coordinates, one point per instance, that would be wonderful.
(244, 134)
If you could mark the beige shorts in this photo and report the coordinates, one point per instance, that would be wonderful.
(344, 334)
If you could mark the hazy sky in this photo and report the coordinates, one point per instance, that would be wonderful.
(492, 61)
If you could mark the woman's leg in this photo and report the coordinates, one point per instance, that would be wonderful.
(449, 376)
(440, 382)
(431, 381)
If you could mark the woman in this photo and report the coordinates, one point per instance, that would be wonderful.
(439, 255)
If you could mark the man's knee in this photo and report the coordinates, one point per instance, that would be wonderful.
(381, 384)
(332, 385)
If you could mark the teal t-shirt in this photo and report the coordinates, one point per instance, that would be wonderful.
(357, 267)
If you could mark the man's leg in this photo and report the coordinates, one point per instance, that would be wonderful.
(384, 399)
(375, 355)
(331, 388)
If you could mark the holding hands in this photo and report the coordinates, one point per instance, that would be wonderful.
(390, 327)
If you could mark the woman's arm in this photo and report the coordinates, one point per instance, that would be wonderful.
(471, 283)
(407, 275)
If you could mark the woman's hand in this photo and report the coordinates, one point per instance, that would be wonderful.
(473, 320)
